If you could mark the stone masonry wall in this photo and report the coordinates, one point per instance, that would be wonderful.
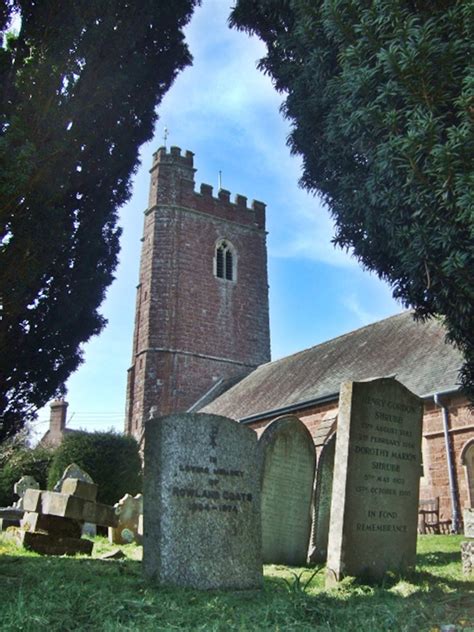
(321, 421)
(191, 327)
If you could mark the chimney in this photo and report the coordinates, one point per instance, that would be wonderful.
(57, 418)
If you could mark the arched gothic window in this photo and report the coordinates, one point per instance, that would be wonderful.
(225, 261)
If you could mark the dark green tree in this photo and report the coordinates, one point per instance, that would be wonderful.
(381, 98)
(18, 459)
(79, 86)
(112, 460)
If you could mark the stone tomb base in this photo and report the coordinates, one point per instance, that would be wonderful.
(52, 544)
(53, 521)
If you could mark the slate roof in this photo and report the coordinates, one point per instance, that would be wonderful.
(413, 352)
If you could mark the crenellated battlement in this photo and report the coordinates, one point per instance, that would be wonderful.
(173, 176)
(223, 195)
(173, 156)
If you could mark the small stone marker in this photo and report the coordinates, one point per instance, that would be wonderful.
(322, 503)
(128, 509)
(374, 509)
(468, 519)
(201, 503)
(467, 546)
(288, 462)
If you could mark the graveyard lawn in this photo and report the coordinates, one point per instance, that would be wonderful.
(59, 593)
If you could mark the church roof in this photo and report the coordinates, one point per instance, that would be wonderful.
(413, 352)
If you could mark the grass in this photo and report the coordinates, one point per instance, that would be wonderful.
(89, 594)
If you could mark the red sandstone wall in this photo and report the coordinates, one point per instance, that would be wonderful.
(320, 422)
(192, 328)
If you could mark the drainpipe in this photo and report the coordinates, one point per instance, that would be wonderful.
(451, 472)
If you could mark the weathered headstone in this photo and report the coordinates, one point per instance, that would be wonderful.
(322, 503)
(374, 509)
(467, 546)
(72, 471)
(20, 487)
(468, 519)
(288, 462)
(201, 503)
(128, 511)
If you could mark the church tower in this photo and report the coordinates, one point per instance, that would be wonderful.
(202, 299)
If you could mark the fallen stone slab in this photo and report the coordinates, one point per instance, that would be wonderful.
(53, 525)
(62, 505)
(11, 513)
(32, 500)
(53, 545)
(79, 488)
(97, 513)
(9, 522)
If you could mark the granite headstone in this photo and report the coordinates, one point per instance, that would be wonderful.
(374, 508)
(288, 463)
(201, 503)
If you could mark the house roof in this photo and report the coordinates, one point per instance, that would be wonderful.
(413, 352)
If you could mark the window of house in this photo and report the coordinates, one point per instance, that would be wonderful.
(225, 261)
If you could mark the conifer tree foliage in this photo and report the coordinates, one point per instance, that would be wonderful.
(381, 98)
(78, 87)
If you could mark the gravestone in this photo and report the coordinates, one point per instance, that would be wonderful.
(201, 503)
(374, 508)
(128, 510)
(288, 461)
(322, 503)
(468, 519)
(72, 471)
(467, 546)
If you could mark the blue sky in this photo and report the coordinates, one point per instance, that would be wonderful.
(227, 112)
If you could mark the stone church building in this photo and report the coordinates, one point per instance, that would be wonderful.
(201, 339)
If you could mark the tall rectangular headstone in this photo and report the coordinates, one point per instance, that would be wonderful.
(201, 503)
(374, 508)
(288, 458)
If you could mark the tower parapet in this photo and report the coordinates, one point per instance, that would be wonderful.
(172, 182)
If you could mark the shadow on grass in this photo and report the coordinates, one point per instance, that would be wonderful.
(95, 594)
(438, 558)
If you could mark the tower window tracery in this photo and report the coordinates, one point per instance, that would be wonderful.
(225, 261)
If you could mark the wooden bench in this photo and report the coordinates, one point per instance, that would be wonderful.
(428, 517)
